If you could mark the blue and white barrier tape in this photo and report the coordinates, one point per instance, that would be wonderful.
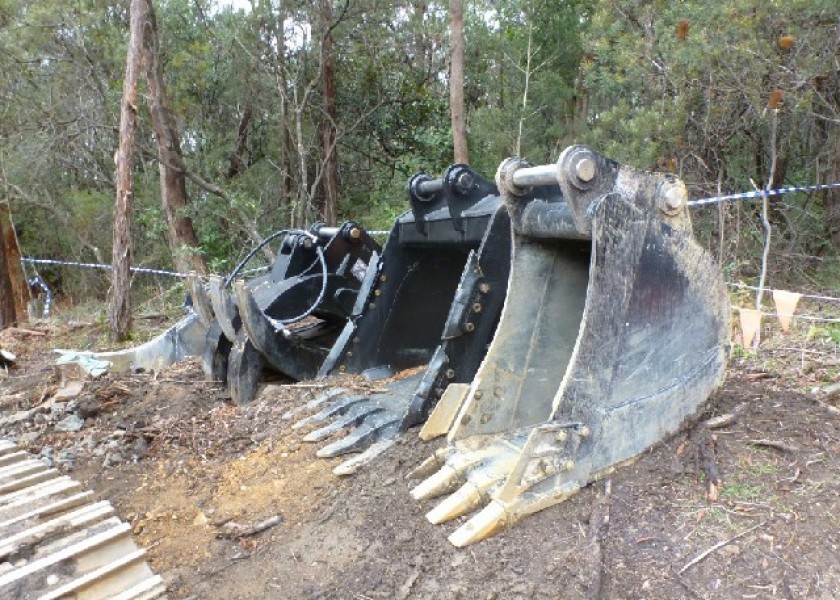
(37, 281)
(744, 286)
(760, 193)
(47, 261)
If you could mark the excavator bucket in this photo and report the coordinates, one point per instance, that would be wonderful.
(613, 333)
(184, 339)
(423, 318)
(288, 319)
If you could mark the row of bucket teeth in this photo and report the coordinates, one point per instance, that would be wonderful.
(56, 542)
(494, 473)
(363, 423)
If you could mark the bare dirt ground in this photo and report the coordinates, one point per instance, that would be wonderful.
(192, 473)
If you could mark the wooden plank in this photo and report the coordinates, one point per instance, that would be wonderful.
(14, 457)
(79, 545)
(53, 486)
(46, 510)
(148, 589)
(86, 545)
(88, 579)
(20, 469)
(27, 480)
(79, 518)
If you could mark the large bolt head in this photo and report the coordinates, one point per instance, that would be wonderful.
(673, 196)
(578, 167)
(585, 169)
(465, 182)
(504, 177)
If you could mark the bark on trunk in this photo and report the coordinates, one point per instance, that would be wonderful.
(119, 306)
(236, 163)
(286, 147)
(832, 197)
(15, 269)
(14, 293)
(8, 309)
(328, 130)
(456, 84)
(173, 179)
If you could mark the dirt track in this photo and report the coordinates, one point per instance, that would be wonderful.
(204, 468)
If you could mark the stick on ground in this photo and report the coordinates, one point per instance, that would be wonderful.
(706, 553)
(775, 445)
(236, 532)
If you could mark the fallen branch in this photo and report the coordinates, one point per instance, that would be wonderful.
(20, 330)
(235, 531)
(757, 376)
(775, 445)
(721, 421)
(707, 460)
(103, 406)
(191, 381)
(717, 546)
(306, 385)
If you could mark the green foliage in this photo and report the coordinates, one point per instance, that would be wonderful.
(829, 332)
(700, 106)
(246, 91)
(742, 491)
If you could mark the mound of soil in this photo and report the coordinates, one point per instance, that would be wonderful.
(747, 509)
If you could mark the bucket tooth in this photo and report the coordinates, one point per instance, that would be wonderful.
(315, 403)
(352, 465)
(602, 350)
(430, 465)
(337, 407)
(463, 500)
(380, 425)
(355, 416)
(372, 419)
(481, 481)
(445, 480)
(489, 521)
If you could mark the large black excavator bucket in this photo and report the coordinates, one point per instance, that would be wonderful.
(423, 317)
(613, 334)
(289, 318)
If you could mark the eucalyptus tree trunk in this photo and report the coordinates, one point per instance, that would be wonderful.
(832, 196)
(13, 294)
(173, 172)
(456, 83)
(8, 309)
(119, 305)
(328, 129)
